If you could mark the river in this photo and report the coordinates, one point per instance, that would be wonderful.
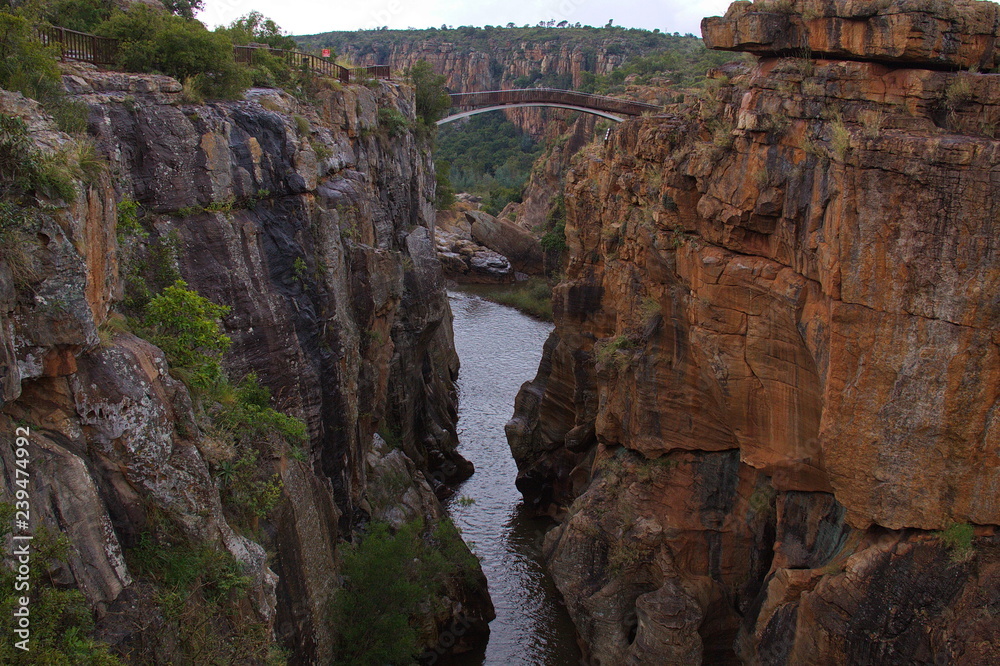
(499, 349)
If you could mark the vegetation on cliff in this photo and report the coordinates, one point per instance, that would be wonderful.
(60, 620)
(617, 40)
(389, 575)
(150, 40)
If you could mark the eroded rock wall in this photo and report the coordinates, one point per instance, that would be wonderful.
(773, 378)
(317, 231)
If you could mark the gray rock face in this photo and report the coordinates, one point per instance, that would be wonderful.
(316, 232)
(520, 247)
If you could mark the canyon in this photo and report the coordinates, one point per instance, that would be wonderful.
(765, 423)
(769, 401)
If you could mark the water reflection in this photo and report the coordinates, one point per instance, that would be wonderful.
(500, 349)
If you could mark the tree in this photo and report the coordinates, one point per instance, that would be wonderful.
(431, 95)
(255, 27)
(185, 325)
(152, 41)
(185, 8)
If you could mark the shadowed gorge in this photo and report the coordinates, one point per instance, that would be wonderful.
(257, 410)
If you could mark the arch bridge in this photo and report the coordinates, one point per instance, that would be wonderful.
(612, 108)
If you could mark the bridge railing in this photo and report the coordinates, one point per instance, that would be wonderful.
(551, 95)
(83, 46)
(98, 50)
(245, 55)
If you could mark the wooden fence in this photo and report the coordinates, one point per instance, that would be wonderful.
(75, 45)
(85, 47)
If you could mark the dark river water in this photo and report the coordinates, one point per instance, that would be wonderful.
(499, 349)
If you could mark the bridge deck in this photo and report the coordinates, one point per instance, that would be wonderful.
(551, 96)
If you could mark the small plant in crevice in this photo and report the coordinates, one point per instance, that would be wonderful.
(840, 138)
(761, 500)
(300, 269)
(652, 468)
(958, 91)
(393, 122)
(873, 122)
(16, 224)
(679, 236)
(957, 538)
(615, 352)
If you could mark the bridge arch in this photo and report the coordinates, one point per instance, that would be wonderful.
(500, 107)
(612, 108)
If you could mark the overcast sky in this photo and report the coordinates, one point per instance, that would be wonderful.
(301, 17)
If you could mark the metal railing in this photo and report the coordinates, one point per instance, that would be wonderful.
(85, 47)
(296, 59)
(552, 96)
(75, 45)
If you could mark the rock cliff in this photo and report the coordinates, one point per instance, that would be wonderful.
(473, 59)
(766, 418)
(316, 231)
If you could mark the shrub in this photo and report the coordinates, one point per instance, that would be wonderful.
(616, 351)
(61, 621)
(432, 99)
(554, 239)
(24, 170)
(444, 193)
(25, 65)
(185, 326)
(152, 41)
(81, 15)
(200, 591)
(840, 138)
(957, 537)
(393, 122)
(389, 577)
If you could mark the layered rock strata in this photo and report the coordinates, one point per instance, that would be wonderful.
(317, 232)
(767, 413)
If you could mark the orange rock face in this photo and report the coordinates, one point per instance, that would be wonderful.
(958, 33)
(780, 316)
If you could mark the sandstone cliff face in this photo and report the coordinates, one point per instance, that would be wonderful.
(317, 232)
(497, 66)
(774, 371)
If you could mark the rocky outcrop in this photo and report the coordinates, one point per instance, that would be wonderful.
(316, 230)
(764, 417)
(464, 259)
(519, 246)
(916, 33)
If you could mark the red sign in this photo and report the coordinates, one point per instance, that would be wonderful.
(326, 53)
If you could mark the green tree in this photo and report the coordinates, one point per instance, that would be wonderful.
(371, 612)
(82, 15)
(257, 28)
(153, 41)
(185, 325)
(431, 96)
(444, 196)
(25, 65)
(184, 8)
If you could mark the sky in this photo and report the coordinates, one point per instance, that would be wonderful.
(303, 17)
